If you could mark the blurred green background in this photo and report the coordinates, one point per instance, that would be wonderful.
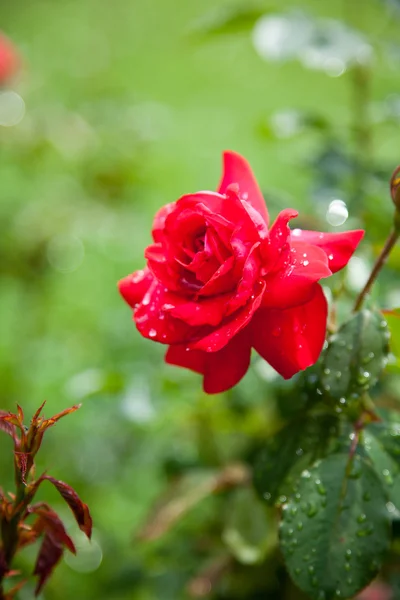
(128, 105)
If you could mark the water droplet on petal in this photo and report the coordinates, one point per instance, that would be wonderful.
(138, 276)
(152, 333)
(167, 306)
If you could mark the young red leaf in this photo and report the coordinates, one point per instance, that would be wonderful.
(3, 564)
(6, 426)
(26, 535)
(35, 417)
(80, 510)
(20, 415)
(49, 555)
(39, 425)
(49, 422)
(21, 463)
(51, 524)
(13, 419)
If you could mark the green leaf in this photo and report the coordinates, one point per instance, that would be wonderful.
(290, 451)
(335, 529)
(355, 357)
(393, 320)
(229, 19)
(382, 444)
(247, 532)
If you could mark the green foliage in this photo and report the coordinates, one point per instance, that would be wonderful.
(335, 531)
(287, 453)
(355, 357)
(382, 444)
(248, 533)
(227, 19)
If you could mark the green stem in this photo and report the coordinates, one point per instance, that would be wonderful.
(382, 258)
(9, 531)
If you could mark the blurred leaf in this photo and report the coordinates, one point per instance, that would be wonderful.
(247, 532)
(290, 122)
(288, 453)
(322, 44)
(393, 320)
(187, 493)
(229, 19)
(335, 531)
(355, 357)
(382, 443)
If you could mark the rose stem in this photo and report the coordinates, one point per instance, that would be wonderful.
(382, 258)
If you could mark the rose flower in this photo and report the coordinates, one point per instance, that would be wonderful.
(9, 60)
(219, 282)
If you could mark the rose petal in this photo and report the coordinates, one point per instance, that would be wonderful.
(182, 356)
(154, 321)
(167, 272)
(242, 214)
(215, 246)
(250, 273)
(275, 251)
(222, 370)
(203, 265)
(339, 247)
(294, 284)
(159, 221)
(220, 337)
(208, 311)
(237, 170)
(222, 281)
(291, 340)
(133, 287)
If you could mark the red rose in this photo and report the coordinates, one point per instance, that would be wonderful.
(9, 60)
(219, 282)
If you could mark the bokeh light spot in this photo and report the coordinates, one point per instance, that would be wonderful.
(12, 108)
(88, 556)
(337, 213)
(65, 253)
